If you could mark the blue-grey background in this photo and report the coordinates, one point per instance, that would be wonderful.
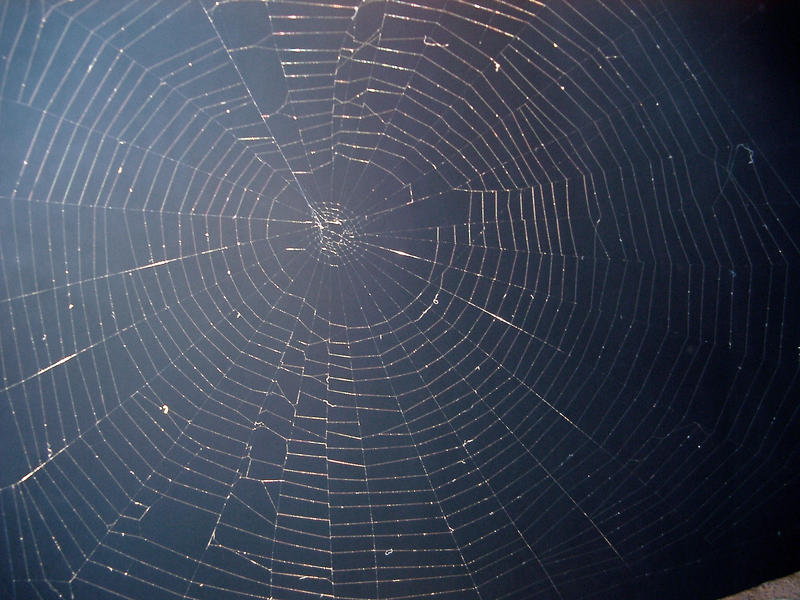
(437, 299)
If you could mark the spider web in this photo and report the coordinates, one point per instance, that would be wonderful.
(383, 300)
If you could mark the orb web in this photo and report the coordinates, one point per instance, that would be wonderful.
(382, 300)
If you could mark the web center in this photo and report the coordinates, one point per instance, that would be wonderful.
(336, 235)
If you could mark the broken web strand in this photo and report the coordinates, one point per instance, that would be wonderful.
(311, 205)
(244, 468)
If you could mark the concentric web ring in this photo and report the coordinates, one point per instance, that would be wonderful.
(396, 299)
